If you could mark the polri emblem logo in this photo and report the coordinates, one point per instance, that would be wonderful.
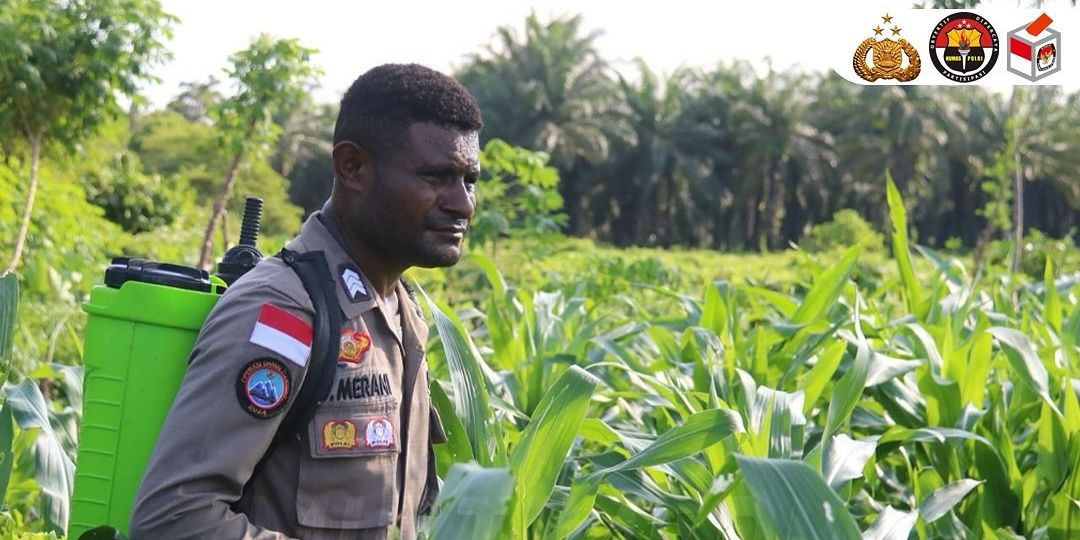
(886, 55)
(339, 435)
(964, 47)
(379, 433)
(1034, 49)
(353, 345)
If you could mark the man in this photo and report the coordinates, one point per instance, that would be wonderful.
(405, 163)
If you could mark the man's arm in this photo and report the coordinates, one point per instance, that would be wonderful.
(233, 397)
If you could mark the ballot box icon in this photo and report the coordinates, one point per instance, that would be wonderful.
(1035, 49)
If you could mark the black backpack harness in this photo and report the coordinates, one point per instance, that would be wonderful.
(314, 273)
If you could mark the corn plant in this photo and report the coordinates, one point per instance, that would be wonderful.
(930, 405)
(37, 437)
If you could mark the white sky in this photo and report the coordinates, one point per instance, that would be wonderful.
(354, 36)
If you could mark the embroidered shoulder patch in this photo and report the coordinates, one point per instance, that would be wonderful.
(263, 387)
(379, 433)
(353, 346)
(353, 283)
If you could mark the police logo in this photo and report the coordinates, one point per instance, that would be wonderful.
(263, 387)
(353, 345)
(379, 433)
(353, 283)
(339, 435)
(886, 56)
(964, 47)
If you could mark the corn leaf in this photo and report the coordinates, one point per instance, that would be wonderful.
(845, 458)
(457, 444)
(578, 506)
(826, 289)
(891, 524)
(1052, 305)
(815, 381)
(55, 471)
(7, 438)
(795, 501)
(1025, 362)
(943, 499)
(695, 434)
(473, 503)
(470, 397)
(538, 456)
(848, 390)
(900, 248)
(9, 302)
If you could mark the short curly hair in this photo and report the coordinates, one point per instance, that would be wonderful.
(381, 104)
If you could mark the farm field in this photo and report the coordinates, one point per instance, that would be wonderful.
(735, 299)
(689, 394)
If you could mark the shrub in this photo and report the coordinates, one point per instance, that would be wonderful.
(846, 228)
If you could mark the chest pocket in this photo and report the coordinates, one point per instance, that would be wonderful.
(348, 476)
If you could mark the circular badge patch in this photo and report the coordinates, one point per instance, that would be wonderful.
(263, 387)
(964, 47)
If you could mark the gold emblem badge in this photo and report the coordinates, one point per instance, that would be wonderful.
(339, 435)
(887, 56)
(353, 344)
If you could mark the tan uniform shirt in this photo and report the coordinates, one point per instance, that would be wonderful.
(357, 472)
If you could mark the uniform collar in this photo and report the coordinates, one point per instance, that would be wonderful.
(414, 325)
(356, 297)
(317, 235)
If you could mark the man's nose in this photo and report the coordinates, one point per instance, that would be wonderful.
(459, 199)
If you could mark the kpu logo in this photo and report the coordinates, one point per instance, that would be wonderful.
(1035, 49)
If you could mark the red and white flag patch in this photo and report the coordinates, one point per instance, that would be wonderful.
(283, 333)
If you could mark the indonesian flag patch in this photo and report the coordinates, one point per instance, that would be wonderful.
(284, 333)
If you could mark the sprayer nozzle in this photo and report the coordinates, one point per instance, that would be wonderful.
(245, 255)
(249, 229)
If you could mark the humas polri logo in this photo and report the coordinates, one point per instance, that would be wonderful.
(964, 47)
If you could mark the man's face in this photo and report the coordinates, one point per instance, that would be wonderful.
(418, 210)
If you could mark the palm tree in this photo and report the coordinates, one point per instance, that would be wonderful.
(551, 91)
(653, 181)
(779, 149)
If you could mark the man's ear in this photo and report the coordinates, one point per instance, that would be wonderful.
(354, 167)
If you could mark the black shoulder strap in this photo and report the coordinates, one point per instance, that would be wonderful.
(314, 273)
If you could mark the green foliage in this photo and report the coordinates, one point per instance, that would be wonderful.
(997, 211)
(818, 407)
(169, 144)
(135, 201)
(189, 156)
(467, 487)
(9, 303)
(741, 156)
(64, 64)
(270, 75)
(847, 228)
(69, 240)
(517, 195)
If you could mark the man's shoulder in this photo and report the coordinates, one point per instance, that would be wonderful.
(270, 280)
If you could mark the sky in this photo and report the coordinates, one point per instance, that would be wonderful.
(353, 36)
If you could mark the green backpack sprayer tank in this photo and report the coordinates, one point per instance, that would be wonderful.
(141, 327)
